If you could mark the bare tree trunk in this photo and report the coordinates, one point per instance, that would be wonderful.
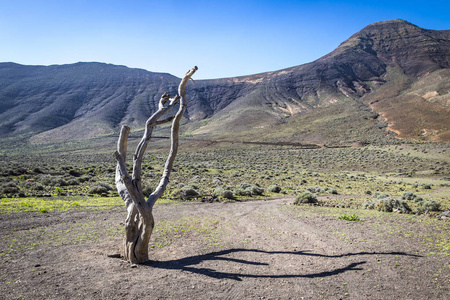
(139, 223)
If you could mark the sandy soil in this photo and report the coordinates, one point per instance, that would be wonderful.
(234, 250)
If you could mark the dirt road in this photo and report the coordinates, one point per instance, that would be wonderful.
(233, 250)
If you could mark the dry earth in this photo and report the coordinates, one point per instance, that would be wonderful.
(233, 250)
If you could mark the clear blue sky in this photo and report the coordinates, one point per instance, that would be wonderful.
(224, 38)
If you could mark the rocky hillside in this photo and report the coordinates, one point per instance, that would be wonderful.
(391, 75)
(79, 100)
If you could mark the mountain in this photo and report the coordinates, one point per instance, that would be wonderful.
(390, 74)
(77, 101)
(391, 78)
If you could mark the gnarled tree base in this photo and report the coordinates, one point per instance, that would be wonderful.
(137, 238)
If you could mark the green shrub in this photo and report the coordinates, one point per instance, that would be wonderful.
(256, 190)
(75, 173)
(58, 190)
(418, 199)
(315, 189)
(244, 185)
(37, 170)
(242, 192)
(333, 191)
(31, 185)
(388, 205)
(274, 189)
(9, 184)
(385, 205)
(352, 218)
(381, 195)
(38, 187)
(53, 180)
(306, 197)
(431, 205)
(147, 190)
(187, 192)
(217, 181)
(105, 185)
(85, 178)
(97, 189)
(73, 182)
(401, 206)
(369, 204)
(9, 188)
(227, 194)
(408, 196)
(247, 189)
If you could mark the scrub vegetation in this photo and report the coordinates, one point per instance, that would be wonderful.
(408, 178)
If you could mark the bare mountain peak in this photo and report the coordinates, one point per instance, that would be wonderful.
(390, 24)
(400, 43)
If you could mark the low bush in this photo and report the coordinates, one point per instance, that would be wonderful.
(315, 189)
(247, 189)
(75, 173)
(351, 218)
(73, 182)
(256, 190)
(85, 178)
(147, 190)
(53, 180)
(105, 185)
(411, 196)
(31, 185)
(274, 189)
(187, 192)
(242, 192)
(306, 198)
(333, 191)
(388, 205)
(408, 196)
(381, 195)
(227, 194)
(369, 204)
(217, 181)
(431, 205)
(244, 185)
(97, 189)
(9, 188)
(58, 190)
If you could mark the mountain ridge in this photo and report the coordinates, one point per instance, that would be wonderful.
(86, 100)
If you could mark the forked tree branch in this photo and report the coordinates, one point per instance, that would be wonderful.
(130, 186)
(159, 191)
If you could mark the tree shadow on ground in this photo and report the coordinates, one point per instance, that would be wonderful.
(187, 263)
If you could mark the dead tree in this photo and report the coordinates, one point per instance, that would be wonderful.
(139, 222)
